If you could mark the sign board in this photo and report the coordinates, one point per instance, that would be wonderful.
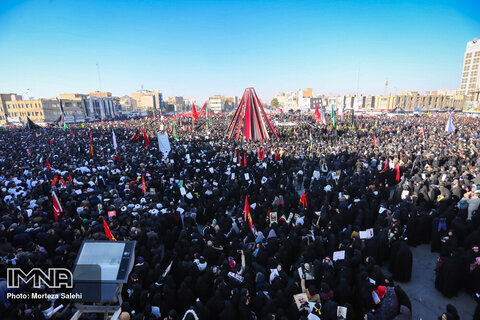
(367, 234)
(339, 255)
(163, 144)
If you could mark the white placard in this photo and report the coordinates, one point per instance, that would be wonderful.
(247, 176)
(367, 234)
(163, 143)
(183, 191)
(232, 176)
(339, 255)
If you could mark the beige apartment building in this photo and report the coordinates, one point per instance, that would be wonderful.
(144, 100)
(470, 85)
(4, 98)
(99, 94)
(73, 107)
(39, 111)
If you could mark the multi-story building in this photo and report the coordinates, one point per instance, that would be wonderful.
(470, 85)
(99, 94)
(314, 102)
(73, 107)
(4, 98)
(148, 100)
(39, 111)
(100, 108)
(308, 93)
(216, 103)
(384, 103)
(127, 104)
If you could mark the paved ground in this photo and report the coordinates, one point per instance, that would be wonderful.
(427, 302)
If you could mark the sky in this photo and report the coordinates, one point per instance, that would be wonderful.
(196, 49)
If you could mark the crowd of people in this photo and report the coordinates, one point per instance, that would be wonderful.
(374, 187)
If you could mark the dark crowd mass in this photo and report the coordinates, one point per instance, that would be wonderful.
(374, 188)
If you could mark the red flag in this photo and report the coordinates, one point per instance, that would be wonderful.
(202, 111)
(246, 212)
(145, 137)
(244, 160)
(194, 113)
(294, 132)
(385, 167)
(258, 155)
(70, 179)
(318, 116)
(57, 207)
(277, 156)
(374, 141)
(108, 233)
(135, 136)
(235, 152)
(303, 199)
(63, 181)
(51, 141)
(48, 165)
(397, 169)
(281, 111)
(268, 213)
(239, 159)
(54, 181)
(28, 149)
(263, 154)
(144, 184)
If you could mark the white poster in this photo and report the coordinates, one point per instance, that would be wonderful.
(367, 234)
(339, 255)
(163, 143)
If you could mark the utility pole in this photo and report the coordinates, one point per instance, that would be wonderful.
(386, 87)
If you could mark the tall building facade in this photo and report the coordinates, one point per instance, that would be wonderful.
(4, 98)
(146, 100)
(216, 103)
(470, 85)
(39, 111)
(73, 107)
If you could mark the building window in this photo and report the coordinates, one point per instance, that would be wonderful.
(464, 86)
(468, 55)
(474, 73)
(466, 68)
(471, 86)
(475, 67)
(467, 61)
(476, 60)
(477, 54)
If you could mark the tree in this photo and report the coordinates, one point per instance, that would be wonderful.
(275, 103)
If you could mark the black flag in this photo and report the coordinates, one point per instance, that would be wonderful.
(31, 125)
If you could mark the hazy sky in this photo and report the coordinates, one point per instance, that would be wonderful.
(200, 48)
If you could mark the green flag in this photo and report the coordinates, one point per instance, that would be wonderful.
(333, 116)
(210, 119)
(64, 127)
(175, 133)
(83, 125)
